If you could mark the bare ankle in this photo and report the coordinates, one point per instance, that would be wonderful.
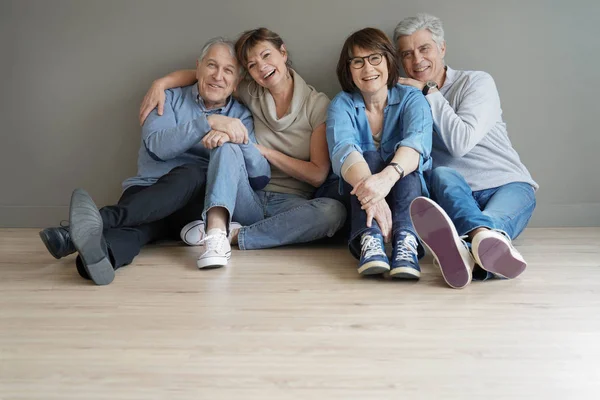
(234, 236)
(474, 232)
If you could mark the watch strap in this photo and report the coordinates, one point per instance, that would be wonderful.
(428, 87)
(398, 169)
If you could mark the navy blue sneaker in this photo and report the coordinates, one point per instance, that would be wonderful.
(372, 254)
(405, 263)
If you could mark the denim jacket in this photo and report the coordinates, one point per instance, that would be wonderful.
(407, 122)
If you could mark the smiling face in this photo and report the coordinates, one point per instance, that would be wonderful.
(370, 79)
(421, 57)
(267, 64)
(217, 74)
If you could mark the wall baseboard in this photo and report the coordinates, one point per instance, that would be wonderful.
(553, 215)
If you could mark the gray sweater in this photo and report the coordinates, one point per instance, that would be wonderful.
(469, 134)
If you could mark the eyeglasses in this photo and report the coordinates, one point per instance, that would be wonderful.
(359, 62)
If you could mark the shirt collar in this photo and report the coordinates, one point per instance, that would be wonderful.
(200, 101)
(450, 77)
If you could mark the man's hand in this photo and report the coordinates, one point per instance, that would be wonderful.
(373, 189)
(214, 139)
(411, 82)
(154, 97)
(383, 215)
(232, 127)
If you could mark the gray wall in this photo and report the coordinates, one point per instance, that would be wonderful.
(73, 74)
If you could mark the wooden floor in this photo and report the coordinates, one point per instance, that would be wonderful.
(298, 323)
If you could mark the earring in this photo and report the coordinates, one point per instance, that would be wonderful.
(248, 88)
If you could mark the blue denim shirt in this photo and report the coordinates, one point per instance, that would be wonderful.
(407, 122)
(173, 139)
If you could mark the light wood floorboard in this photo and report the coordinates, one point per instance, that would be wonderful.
(298, 323)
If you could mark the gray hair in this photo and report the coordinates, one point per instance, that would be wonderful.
(219, 40)
(410, 25)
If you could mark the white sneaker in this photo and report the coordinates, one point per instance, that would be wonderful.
(495, 253)
(193, 233)
(217, 250)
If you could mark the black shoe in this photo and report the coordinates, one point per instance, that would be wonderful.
(86, 234)
(58, 241)
(81, 269)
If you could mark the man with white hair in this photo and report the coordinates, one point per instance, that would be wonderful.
(483, 191)
(173, 159)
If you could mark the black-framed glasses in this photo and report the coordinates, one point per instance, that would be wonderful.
(359, 62)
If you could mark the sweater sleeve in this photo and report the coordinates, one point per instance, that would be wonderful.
(477, 112)
(318, 113)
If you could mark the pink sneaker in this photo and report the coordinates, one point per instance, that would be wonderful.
(437, 232)
(495, 253)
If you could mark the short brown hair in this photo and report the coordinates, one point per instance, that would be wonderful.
(368, 39)
(251, 38)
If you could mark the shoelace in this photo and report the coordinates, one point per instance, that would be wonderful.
(371, 246)
(407, 249)
(214, 245)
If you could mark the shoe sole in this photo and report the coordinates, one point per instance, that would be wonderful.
(374, 268)
(437, 232)
(213, 262)
(405, 273)
(46, 241)
(85, 227)
(495, 256)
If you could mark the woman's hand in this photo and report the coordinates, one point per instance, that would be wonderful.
(380, 211)
(411, 82)
(263, 150)
(373, 189)
(154, 97)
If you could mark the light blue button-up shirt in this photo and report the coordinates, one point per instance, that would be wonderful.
(173, 139)
(407, 122)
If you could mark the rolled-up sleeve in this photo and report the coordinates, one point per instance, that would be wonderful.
(342, 135)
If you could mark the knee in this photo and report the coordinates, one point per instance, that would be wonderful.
(374, 160)
(229, 151)
(330, 212)
(442, 177)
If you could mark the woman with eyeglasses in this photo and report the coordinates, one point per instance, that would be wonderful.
(289, 126)
(379, 137)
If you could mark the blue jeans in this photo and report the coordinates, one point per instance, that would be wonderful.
(402, 194)
(269, 219)
(507, 208)
(331, 189)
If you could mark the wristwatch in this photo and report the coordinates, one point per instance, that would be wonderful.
(428, 86)
(398, 169)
